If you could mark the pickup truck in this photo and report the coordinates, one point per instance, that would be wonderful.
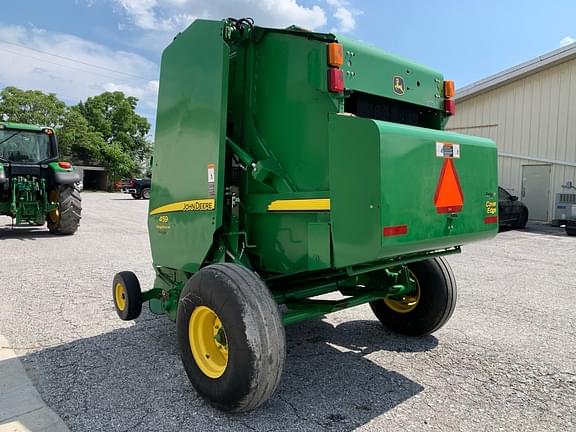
(138, 188)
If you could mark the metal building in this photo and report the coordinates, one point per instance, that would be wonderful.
(530, 111)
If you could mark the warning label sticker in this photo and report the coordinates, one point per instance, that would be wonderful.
(447, 150)
(211, 179)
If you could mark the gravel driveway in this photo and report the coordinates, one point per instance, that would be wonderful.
(505, 361)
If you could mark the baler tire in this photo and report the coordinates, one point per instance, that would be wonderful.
(145, 193)
(127, 295)
(253, 334)
(436, 303)
(69, 211)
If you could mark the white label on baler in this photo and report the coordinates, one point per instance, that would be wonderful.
(211, 179)
(447, 150)
(211, 173)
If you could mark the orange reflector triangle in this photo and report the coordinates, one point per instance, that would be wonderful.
(448, 197)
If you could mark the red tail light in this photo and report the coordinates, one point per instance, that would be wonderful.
(490, 220)
(450, 106)
(335, 80)
(65, 165)
(395, 230)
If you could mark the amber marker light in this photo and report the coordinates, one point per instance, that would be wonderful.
(335, 54)
(449, 89)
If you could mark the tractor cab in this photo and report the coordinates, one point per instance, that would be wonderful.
(23, 150)
(27, 146)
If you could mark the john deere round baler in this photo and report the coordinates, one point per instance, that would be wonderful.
(290, 164)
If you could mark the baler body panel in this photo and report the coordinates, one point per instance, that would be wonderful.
(283, 119)
(187, 197)
(384, 186)
(284, 111)
(373, 71)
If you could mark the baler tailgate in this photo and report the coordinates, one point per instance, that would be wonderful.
(188, 171)
(402, 189)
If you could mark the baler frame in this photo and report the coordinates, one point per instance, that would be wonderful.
(297, 291)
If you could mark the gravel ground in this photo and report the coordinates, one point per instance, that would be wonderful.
(505, 361)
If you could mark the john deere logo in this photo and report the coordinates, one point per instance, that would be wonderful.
(398, 86)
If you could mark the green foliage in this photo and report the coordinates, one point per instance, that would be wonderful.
(104, 130)
(77, 140)
(113, 115)
(32, 107)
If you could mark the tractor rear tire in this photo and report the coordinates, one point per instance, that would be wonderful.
(127, 295)
(231, 337)
(66, 218)
(432, 306)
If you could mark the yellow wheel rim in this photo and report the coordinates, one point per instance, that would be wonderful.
(408, 302)
(120, 296)
(208, 342)
(54, 215)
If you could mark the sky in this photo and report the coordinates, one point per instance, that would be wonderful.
(81, 48)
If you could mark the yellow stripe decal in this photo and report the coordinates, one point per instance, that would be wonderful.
(185, 206)
(311, 204)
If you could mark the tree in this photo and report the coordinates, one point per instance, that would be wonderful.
(113, 116)
(77, 140)
(32, 107)
(105, 129)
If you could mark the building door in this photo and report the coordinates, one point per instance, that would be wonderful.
(536, 191)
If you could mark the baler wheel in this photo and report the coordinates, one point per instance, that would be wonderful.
(127, 295)
(429, 308)
(231, 337)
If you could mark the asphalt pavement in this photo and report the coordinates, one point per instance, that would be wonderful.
(505, 361)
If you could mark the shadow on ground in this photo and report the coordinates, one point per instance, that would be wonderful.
(127, 199)
(537, 228)
(25, 232)
(132, 379)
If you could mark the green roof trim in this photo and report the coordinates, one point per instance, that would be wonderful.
(23, 126)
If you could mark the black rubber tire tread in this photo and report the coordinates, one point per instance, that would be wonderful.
(136, 196)
(133, 307)
(145, 193)
(571, 231)
(70, 211)
(522, 220)
(438, 295)
(254, 330)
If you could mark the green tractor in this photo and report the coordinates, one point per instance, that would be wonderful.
(34, 186)
(290, 164)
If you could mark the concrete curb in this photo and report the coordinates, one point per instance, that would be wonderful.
(21, 407)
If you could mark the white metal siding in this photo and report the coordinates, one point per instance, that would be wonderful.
(534, 117)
